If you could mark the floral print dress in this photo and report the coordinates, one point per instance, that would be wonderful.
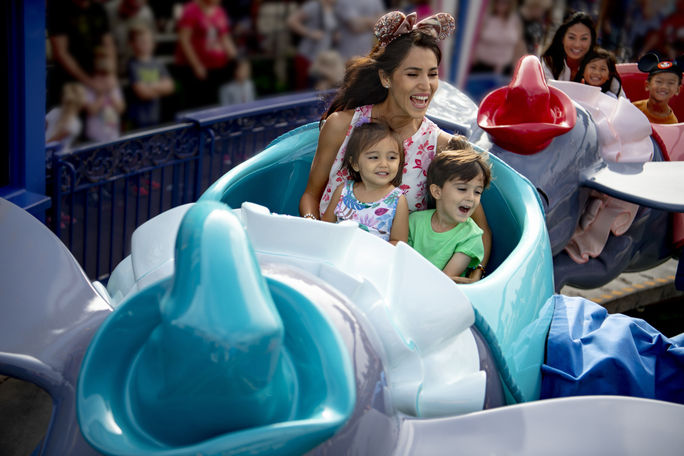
(375, 217)
(419, 150)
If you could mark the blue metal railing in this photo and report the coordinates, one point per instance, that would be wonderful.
(102, 192)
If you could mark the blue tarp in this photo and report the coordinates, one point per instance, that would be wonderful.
(592, 352)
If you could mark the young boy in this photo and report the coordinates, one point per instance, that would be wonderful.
(663, 83)
(241, 88)
(149, 79)
(447, 235)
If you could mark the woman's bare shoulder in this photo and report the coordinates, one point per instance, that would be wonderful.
(337, 124)
(340, 119)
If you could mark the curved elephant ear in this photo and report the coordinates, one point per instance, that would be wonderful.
(648, 62)
(679, 61)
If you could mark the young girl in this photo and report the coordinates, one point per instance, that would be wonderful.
(447, 236)
(374, 162)
(105, 106)
(63, 123)
(599, 70)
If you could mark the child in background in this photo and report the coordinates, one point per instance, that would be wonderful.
(63, 123)
(148, 77)
(327, 71)
(447, 235)
(241, 88)
(374, 162)
(599, 70)
(104, 106)
(663, 83)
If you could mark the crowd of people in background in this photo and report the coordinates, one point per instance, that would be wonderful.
(107, 73)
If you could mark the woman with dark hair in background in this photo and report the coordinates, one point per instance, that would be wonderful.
(571, 43)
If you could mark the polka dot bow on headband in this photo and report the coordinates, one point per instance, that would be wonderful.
(395, 24)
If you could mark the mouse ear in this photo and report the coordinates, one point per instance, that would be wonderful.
(648, 61)
(679, 61)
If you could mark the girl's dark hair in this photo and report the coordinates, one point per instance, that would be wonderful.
(601, 54)
(554, 55)
(365, 136)
(362, 85)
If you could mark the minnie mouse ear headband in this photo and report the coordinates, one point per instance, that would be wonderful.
(651, 63)
(394, 24)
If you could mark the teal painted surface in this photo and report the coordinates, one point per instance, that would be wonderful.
(275, 178)
(512, 298)
(215, 359)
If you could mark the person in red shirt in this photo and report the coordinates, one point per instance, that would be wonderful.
(205, 49)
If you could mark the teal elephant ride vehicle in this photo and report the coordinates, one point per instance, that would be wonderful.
(242, 328)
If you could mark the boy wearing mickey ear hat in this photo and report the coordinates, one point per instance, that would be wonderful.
(663, 83)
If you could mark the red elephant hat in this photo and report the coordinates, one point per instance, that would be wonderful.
(526, 115)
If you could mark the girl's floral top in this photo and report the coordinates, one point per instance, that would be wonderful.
(419, 150)
(375, 217)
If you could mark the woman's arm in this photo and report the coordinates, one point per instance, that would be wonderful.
(329, 215)
(229, 46)
(184, 41)
(60, 51)
(443, 140)
(297, 20)
(400, 227)
(481, 219)
(331, 137)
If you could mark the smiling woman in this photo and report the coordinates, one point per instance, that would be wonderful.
(571, 43)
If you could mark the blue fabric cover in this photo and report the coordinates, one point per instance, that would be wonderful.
(592, 352)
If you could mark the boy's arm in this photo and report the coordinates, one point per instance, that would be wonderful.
(329, 215)
(455, 267)
(400, 227)
(165, 86)
(144, 91)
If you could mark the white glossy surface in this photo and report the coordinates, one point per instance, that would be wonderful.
(431, 355)
(624, 131)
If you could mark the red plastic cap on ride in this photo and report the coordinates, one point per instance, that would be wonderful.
(526, 115)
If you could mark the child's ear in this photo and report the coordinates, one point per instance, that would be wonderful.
(355, 166)
(435, 191)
